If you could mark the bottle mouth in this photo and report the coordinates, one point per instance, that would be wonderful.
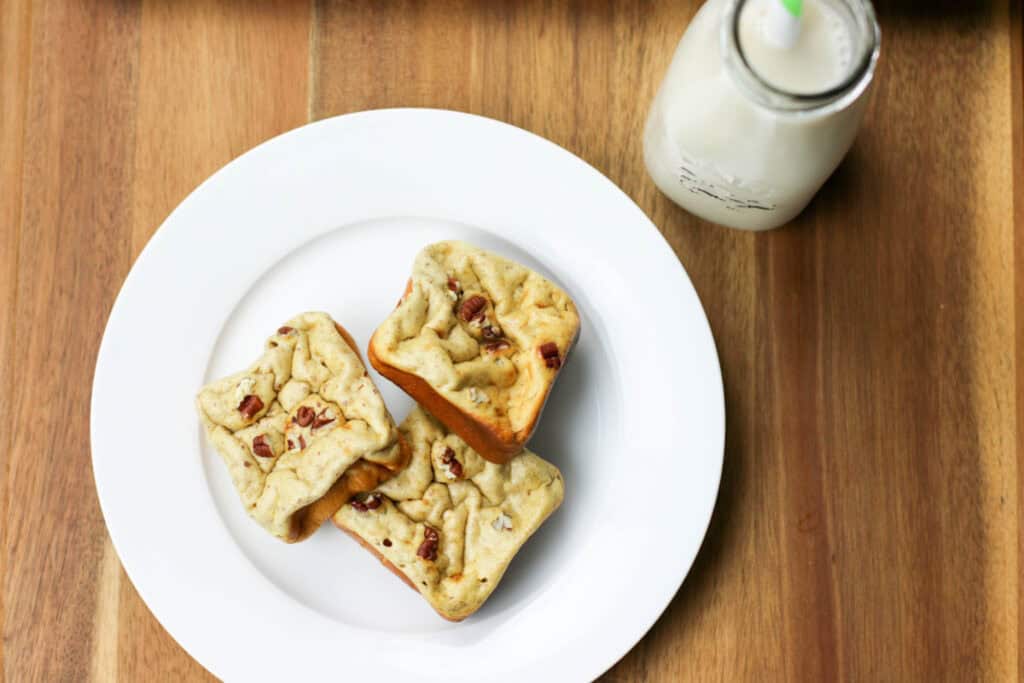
(868, 43)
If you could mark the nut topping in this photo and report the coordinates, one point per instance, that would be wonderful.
(453, 285)
(494, 347)
(502, 523)
(549, 352)
(261, 448)
(454, 467)
(285, 330)
(304, 416)
(302, 442)
(325, 417)
(472, 308)
(491, 332)
(250, 405)
(428, 548)
(370, 502)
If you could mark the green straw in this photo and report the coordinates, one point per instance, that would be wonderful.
(794, 7)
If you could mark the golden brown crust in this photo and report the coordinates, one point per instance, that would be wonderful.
(496, 444)
(361, 477)
(347, 337)
(493, 443)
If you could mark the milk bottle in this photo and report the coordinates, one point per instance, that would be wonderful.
(761, 102)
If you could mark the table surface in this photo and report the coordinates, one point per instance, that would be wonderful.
(869, 521)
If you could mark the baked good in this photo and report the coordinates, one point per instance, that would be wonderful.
(478, 340)
(302, 429)
(451, 522)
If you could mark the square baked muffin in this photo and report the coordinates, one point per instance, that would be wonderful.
(303, 429)
(478, 340)
(451, 522)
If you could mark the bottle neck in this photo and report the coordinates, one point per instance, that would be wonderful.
(865, 37)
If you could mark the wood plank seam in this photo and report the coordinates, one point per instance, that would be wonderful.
(827, 470)
(1017, 116)
(16, 130)
(312, 74)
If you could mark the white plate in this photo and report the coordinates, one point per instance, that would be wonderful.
(329, 217)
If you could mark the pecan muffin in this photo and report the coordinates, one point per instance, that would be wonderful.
(303, 428)
(451, 522)
(479, 341)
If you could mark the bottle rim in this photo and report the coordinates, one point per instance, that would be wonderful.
(825, 101)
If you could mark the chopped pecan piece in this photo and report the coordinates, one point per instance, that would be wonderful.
(323, 418)
(250, 405)
(285, 330)
(428, 548)
(452, 463)
(453, 285)
(502, 523)
(491, 332)
(304, 416)
(494, 347)
(472, 308)
(261, 448)
(549, 352)
(370, 502)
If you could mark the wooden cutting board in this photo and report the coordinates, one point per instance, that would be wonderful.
(869, 522)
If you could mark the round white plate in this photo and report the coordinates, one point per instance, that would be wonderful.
(329, 217)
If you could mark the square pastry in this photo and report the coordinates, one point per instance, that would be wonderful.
(478, 340)
(451, 522)
(303, 429)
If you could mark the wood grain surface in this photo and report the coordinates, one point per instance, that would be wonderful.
(869, 525)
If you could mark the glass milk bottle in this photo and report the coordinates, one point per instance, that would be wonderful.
(761, 102)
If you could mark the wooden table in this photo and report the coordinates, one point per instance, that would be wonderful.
(869, 525)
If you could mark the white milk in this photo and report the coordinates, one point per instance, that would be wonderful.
(744, 131)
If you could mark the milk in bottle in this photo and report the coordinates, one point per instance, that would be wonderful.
(758, 107)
